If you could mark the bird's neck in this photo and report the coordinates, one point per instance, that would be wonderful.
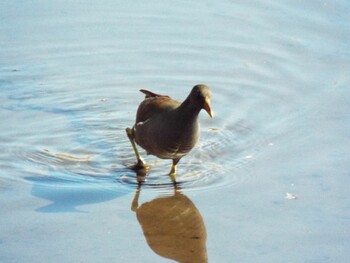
(188, 110)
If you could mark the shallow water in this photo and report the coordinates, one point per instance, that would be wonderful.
(69, 78)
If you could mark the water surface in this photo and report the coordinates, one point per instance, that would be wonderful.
(268, 180)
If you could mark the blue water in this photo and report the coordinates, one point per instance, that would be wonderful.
(268, 180)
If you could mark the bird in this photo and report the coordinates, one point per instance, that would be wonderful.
(167, 128)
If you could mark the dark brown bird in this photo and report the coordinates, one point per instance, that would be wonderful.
(167, 128)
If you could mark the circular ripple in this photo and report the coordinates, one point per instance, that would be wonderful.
(219, 160)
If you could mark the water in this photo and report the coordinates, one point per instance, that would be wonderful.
(69, 78)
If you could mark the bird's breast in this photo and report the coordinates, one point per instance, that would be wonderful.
(166, 138)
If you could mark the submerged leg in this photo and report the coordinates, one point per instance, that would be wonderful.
(173, 168)
(140, 162)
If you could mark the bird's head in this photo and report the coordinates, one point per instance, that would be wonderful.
(200, 96)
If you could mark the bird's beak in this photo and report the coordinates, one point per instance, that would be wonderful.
(207, 107)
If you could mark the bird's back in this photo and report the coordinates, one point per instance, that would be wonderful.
(152, 106)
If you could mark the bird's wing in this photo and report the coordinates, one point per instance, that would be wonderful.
(155, 105)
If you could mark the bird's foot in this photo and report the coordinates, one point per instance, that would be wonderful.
(172, 177)
(141, 167)
(172, 173)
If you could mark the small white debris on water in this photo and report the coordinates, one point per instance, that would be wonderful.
(290, 196)
(248, 157)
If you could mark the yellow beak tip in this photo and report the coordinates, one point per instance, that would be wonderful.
(207, 108)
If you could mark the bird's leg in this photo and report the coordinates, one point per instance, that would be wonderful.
(173, 168)
(140, 162)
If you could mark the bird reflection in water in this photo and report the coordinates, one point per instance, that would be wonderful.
(172, 226)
